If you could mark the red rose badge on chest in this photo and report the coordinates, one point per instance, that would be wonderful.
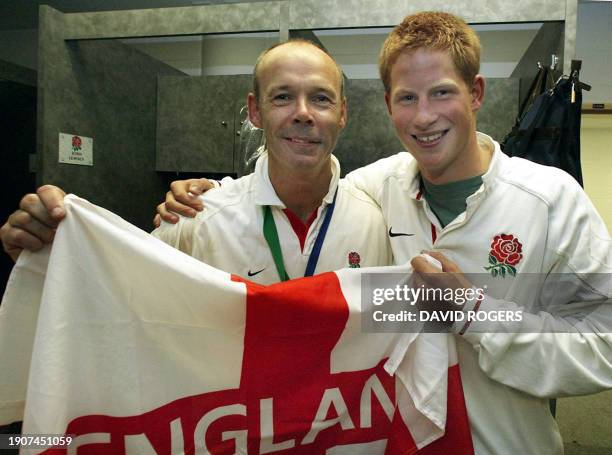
(506, 253)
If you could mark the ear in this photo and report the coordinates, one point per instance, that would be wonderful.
(478, 92)
(254, 113)
(343, 113)
(388, 102)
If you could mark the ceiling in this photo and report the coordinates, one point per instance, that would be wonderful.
(23, 14)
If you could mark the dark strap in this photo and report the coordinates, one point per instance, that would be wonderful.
(537, 87)
(316, 249)
(271, 236)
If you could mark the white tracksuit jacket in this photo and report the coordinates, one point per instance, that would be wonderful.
(549, 227)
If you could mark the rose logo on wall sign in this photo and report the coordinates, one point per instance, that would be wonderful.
(76, 143)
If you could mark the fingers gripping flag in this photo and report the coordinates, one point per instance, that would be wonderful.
(133, 347)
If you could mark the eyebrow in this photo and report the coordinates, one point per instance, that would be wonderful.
(279, 87)
(328, 91)
(444, 83)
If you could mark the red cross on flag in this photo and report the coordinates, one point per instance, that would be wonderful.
(130, 346)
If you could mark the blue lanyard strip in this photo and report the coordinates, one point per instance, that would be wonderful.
(316, 249)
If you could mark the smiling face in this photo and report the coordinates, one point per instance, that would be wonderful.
(300, 107)
(434, 114)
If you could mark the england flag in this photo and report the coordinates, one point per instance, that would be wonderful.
(130, 346)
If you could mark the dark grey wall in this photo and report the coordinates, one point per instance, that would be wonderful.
(498, 112)
(107, 91)
(548, 41)
(197, 122)
(16, 73)
(369, 134)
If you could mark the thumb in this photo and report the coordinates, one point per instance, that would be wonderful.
(447, 264)
(199, 186)
(422, 265)
(52, 198)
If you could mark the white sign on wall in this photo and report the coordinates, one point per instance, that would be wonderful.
(74, 149)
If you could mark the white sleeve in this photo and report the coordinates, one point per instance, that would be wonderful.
(368, 179)
(180, 235)
(224, 181)
(564, 345)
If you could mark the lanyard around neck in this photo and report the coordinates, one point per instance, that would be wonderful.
(271, 236)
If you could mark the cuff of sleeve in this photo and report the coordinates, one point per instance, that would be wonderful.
(489, 315)
(469, 307)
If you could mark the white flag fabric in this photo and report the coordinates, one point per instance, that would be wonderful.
(130, 346)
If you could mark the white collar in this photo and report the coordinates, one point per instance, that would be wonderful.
(263, 190)
(413, 180)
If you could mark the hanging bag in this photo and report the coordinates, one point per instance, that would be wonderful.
(548, 132)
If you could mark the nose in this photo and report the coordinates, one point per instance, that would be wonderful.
(303, 113)
(425, 115)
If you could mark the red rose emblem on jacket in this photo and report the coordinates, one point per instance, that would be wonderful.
(506, 249)
(354, 259)
(506, 252)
